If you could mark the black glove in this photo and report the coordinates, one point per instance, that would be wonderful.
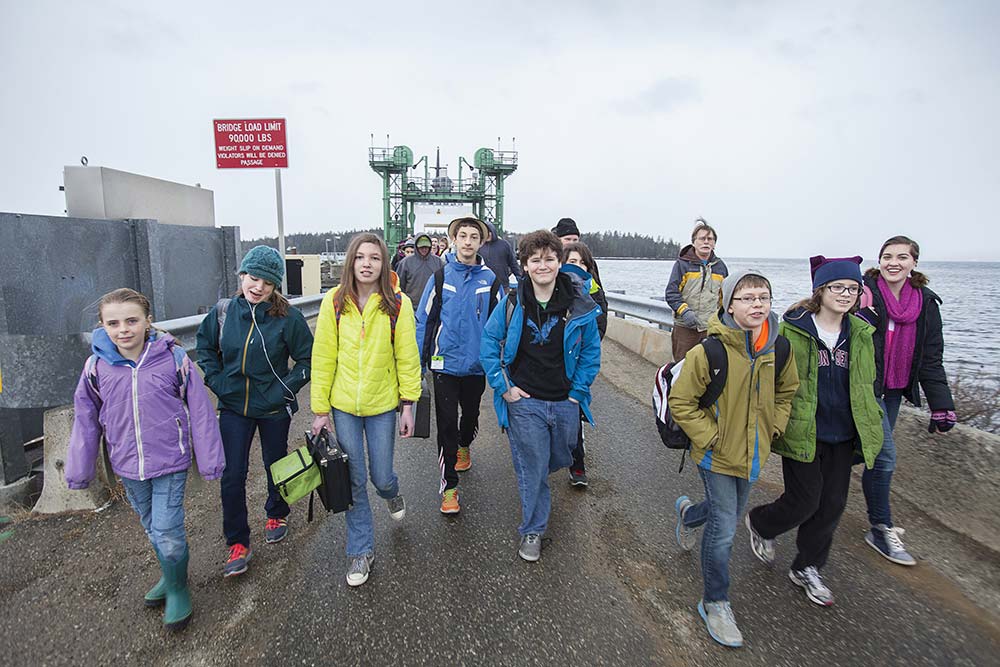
(942, 421)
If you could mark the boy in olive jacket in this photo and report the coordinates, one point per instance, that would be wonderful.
(731, 439)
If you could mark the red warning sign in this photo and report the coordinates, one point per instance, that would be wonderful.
(250, 143)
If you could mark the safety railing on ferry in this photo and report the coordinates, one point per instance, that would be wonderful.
(643, 308)
(185, 328)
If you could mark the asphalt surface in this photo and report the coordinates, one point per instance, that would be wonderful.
(612, 587)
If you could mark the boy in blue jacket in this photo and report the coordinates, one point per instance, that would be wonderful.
(541, 352)
(456, 302)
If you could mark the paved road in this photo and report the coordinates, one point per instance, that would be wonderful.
(611, 588)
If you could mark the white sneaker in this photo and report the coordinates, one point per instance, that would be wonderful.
(762, 548)
(359, 569)
(810, 580)
(686, 537)
(397, 507)
(721, 623)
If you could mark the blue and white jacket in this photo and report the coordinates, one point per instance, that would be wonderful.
(581, 346)
(452, 327)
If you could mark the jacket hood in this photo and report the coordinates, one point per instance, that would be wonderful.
(727, 330)
(687, 253)
(493, 231)
(105, 349)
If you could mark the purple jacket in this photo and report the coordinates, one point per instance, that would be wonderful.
(149, 429)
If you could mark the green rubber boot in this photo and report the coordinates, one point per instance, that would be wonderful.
(178, 608)
(158, 593)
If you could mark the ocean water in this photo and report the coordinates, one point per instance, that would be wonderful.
(970, 292)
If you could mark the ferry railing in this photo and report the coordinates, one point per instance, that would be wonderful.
(185, 328)
(643, 308)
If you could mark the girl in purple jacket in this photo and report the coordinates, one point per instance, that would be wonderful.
(137, 392)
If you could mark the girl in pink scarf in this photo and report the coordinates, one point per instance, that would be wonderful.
(909, 340)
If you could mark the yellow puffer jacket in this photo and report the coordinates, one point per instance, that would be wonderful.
(356, 368)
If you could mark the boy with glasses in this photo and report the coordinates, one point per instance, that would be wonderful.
(731, 439)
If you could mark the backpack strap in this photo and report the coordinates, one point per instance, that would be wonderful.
(90, 370)
(511, 304)
(494, 294)
(718, 368)
(183, 363)
(782, 350)
(221, 306)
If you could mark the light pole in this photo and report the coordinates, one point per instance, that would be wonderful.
(328, 246)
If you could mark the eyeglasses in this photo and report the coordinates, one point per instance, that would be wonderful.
(840, 289)
(749, 300)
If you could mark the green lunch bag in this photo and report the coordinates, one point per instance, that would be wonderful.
(296, 475)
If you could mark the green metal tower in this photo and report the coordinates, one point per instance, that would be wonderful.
(401, 189)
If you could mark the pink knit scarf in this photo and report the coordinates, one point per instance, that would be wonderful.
(899, 346)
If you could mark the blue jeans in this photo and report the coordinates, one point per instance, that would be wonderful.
(159, 502)
(380, 431)
(237, 436)
(720, 511)
(542, 438)
(876, 482)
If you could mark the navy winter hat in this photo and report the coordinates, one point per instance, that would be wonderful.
(566, 227)
(825, 270)
(264, 262)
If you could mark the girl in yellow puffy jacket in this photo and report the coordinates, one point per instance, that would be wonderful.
(366, 364)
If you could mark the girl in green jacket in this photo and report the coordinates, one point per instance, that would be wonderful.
(834, 413)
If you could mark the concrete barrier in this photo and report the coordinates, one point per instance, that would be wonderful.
(56, 496)
(649, 343)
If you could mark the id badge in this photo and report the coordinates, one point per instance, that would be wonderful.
(437, 363)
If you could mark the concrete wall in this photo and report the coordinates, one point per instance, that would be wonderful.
(650, 343)
(52, 272)
(109, 194)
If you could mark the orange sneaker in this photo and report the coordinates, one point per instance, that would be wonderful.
(464, 461)
(449, 502)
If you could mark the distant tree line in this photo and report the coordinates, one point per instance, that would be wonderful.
(617, 244)
(602, 244)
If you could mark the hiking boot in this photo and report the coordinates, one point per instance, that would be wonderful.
(397, 509)
(762, 548)
(810, 580)
(449, 502)
(721, 623)
(275, 530)
(885, 540)
(359, 569)
(578, 477)
(239, 556)
(531, 547)
(177, 611)
(686, 537)
(464, 461)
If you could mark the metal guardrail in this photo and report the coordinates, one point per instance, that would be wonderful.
(185, 328)
(644, 308)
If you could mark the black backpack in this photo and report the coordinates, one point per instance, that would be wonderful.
(672, 435)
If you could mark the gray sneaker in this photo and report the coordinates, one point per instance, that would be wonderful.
(531, 547)
(887, 542)
(721, 623)
(686, 537)
(359, 569)
(810, 580)
(762, 548)
(397, 507)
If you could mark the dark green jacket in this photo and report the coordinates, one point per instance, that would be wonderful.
(799, 439)
(236, 369)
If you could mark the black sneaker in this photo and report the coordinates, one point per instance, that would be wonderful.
(578, 477)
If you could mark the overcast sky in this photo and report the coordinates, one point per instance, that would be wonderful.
(794, 128)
